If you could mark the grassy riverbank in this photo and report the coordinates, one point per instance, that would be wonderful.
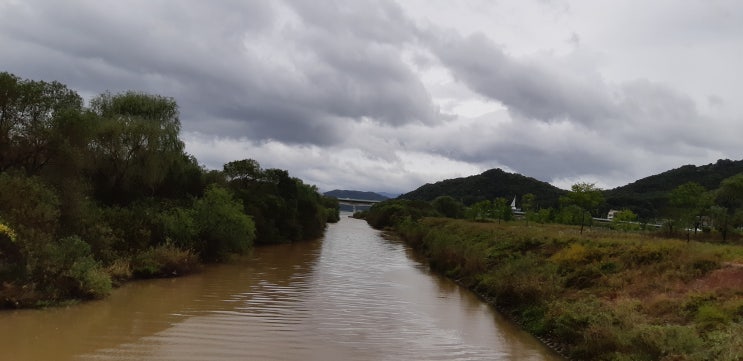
(603, 295)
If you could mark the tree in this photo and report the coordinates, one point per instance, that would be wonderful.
(243, 171)
(502, 209)
(689, 199)
(29, 112)
(223, 227)
(448, 207)
(730, 198)
(528, 204)
(136, 144)
(480, 211)
(587, 197)
(625, 220)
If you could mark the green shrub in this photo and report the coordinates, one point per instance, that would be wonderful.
(725, 344)
(710, 316)
(656, 342)
(67, 269)
(587, 327)
(180, 226)
(223, 226)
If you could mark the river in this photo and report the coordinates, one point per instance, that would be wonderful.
(351, 296)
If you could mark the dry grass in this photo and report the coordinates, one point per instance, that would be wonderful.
(645, 297)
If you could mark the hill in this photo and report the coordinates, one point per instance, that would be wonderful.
(489, 185)
(648, 196)
(369, 196)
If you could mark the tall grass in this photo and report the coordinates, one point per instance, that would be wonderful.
(603, 295)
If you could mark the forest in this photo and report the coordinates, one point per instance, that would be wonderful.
(92, 196)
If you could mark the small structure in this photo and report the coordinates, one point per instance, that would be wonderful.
(513, 205)
(612, 213)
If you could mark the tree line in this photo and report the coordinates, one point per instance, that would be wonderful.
(691, 209)
(93, 195)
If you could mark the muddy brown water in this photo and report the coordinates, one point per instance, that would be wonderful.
(351, 296)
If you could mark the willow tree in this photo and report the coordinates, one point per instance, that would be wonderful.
(136, 143)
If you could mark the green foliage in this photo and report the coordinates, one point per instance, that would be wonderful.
(481, 211)
(729, 197)
(111, 186)
(29, 111)
(649, 197)
(614, 296)
(502, 209)
(587, 197)
(283, 208)
(136, 144)
(180, 226)
(528, 205)
(448, 207)
(489, 185)
(625, 220)
(332, 209)
(656, 342)
(392, 212)
(67, 269)
(223, 226)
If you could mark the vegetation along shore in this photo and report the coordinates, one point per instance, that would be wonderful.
(612, 292)
(94, 196)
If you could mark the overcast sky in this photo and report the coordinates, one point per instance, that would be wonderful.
(389, 95)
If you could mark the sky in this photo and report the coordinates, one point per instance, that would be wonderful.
(385, 95)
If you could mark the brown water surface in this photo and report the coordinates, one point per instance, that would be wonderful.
(351, 296)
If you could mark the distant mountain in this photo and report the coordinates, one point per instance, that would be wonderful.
(369, 196)
(489, 185)
(648, 197)
(388, 195)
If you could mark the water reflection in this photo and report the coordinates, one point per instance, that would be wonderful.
(352, 296)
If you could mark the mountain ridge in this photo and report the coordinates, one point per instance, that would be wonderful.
(354, 194)
(647, 197)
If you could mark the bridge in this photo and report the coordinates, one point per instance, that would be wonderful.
(357, 202)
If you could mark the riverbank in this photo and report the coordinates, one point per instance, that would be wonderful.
(601, 296)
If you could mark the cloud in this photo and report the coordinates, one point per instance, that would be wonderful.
(265, 70)
(386, 95)
(539, 87)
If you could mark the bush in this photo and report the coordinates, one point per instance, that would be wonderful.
(223, 227)
(656, 342)
(180, 226)
(164, 261)
(66, 269)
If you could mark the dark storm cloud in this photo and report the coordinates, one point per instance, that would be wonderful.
(292, 72)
